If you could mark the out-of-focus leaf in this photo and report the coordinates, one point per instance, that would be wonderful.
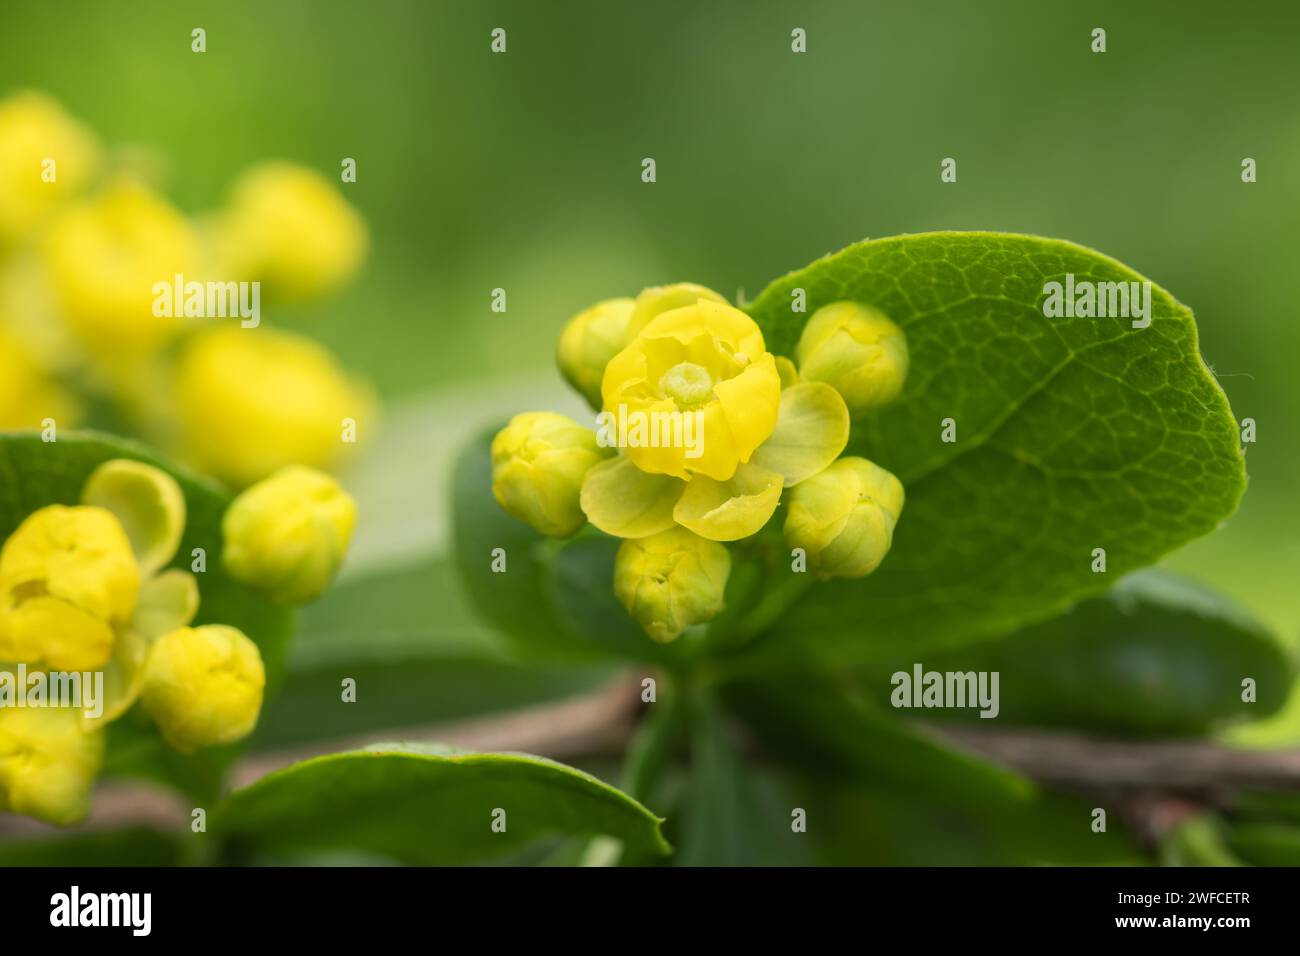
(129, 846)
(1264, 844)
(424, 804)
(1197, 841)
(862, 825)
(829, 731)
(735, 814)
(1155, 656)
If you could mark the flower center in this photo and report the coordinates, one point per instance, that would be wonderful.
(687, 383)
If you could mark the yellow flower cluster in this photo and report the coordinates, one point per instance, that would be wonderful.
(86, 245)
(700, 432)
(86, 589)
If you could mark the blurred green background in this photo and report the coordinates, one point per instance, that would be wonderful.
(522, 171)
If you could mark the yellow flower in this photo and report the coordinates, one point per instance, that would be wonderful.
(844, 517)
(104, 258)
(287, 226)
(251, 401)
(671, 580)
(706, 358)
(27, 394)
(48, 763)
(664, 298)
(857, 350)
(203, 686)
(35, 130)
(67, 580)
(589, 341)
(538, 463)
(287, 534)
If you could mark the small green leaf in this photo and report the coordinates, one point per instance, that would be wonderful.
(1072, 434)
(425, 804)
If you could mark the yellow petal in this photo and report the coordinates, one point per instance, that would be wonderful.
(148, 503)
(166, 602)
(729, 510)
(812, 429)
(123, 678)
(621, 499)
(659, 299)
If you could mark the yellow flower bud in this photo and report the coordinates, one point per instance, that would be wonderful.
(67, 580)
(287, 534)
(857, 350)
(203, 686)
(27, 394)
(251, 401)
(705, 360)
(843, 518)
(671, 580)
(45, 156)
(106, 255)
(658, 299)
(48, 763)
(589, 341)
(538, 462)
(288, 227)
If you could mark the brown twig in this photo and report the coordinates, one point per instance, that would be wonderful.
(600, 722)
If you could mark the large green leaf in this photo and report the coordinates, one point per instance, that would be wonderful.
(34, 474)
(1072, 434)
(425, 804)
(1170, 655)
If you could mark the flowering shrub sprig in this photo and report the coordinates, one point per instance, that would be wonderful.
(710, 429)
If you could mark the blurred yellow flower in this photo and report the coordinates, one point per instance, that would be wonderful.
(203, 686)
(287, 534)
(27, 394)
(68, 579)
(288, 227)
(251, 401)
(105, 256)
(671, 580)
(45, 157)
(48, 763)
(589, 341)
(538, 463)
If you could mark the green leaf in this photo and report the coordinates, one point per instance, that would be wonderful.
(1170, 655)
(1197, 841)
(129, 846)
(1264, 844)
(829, 731)
(425, 804)
(34, 474)
(1072, 434)
(734, 813)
